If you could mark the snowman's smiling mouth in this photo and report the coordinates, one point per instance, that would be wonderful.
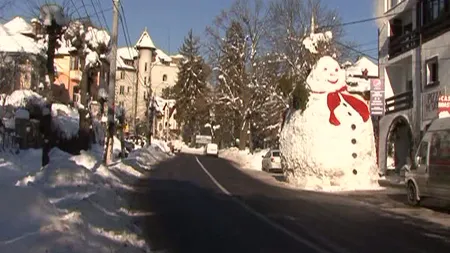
(333, 81)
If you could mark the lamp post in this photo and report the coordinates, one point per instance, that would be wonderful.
(151, 119)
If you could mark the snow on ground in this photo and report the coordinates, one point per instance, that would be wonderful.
(196, 151)
(244, 158)
(161, 145)
(74, 204)
(20, 98)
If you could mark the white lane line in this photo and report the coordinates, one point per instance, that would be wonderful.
(261, 216)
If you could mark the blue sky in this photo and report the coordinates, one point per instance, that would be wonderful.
(168, 21)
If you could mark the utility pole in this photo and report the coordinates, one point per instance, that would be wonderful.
(112, 85)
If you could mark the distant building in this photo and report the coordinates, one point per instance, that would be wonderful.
(139, 68)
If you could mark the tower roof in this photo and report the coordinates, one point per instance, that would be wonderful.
(145, 41)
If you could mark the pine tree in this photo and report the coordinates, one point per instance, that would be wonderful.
(191, 90)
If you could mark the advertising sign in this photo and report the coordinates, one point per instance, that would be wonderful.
(430, 105)
(376, 103)
(444, 106)
(203, 139)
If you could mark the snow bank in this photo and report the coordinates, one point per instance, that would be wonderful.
(161, 145)
(74, 204)
(20, 98)
(244, 158)
(65, 120)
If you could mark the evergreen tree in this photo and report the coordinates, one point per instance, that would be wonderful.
(191, 90)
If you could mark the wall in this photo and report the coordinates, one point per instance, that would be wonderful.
(129, 85)
(158, 71)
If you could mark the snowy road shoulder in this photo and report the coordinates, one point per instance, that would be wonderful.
(75, 204)
(390, 201)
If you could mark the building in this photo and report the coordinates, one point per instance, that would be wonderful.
(413, 61)
(139, 68)
(17, 43)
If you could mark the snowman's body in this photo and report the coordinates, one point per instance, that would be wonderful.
(325, 155)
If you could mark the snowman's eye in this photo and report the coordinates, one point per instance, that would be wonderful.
(325, 69)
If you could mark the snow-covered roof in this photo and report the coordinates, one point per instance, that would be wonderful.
(160, 103)
(17, 43)
(163, 56)
(145, 41)
(127, 53)
(19, 25)
(177, 56)
(362, 64)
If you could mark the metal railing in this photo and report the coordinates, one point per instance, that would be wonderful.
(399, 102)
(403, 43)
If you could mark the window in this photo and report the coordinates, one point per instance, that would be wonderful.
(432, 72)
(128, 90)
(121, 104)
(145, 95)
(145, 67)
(122, 90)
(433, 9)
(122, 74)
(394, 3)
(276, 154)
(422, 154)
(440, 148)
(409, 85)
(145, 80)
(74, 63)
(164, 78)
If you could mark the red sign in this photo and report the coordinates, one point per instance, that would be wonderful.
(444, 104)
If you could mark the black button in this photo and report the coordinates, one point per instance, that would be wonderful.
(353, 126)
(349, 114)
(353, 141)
(344, 104)
(355, 172)
(354, 155)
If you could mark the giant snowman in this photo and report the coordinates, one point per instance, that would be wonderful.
(330, 145)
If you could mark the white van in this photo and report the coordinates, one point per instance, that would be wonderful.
(429, 175)
(212, 149)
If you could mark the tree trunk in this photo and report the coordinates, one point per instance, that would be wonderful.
(243, 135)
(84, 127)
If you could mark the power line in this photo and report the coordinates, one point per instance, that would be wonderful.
(103, 15)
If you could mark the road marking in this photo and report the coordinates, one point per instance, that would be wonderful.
(261, 216)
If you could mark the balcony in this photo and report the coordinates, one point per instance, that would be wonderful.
(403, 43)
(436, 27)
(399, 102)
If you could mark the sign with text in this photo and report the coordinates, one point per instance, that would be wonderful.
(430, 105)
(444, 105)
(203, 139)
(376, 103)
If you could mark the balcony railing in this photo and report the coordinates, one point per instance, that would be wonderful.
(399, 102)
(403, 43)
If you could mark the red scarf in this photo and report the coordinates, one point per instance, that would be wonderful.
(333, 101)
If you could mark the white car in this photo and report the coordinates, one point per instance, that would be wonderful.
(212, 149)
(271, 161)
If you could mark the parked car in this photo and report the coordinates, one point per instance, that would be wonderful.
(212, 149)
(271, 161)
(429, 174)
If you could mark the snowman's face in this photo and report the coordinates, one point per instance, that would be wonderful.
(326, 76)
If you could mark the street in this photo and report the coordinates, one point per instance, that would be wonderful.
(204, 204)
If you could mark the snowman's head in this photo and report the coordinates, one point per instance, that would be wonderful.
(326, 76)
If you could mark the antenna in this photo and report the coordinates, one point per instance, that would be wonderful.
(168, 40)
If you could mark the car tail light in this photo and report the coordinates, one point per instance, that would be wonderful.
(272, 159)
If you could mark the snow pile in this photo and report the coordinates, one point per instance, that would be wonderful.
(74, 204)
(21, 98)
(330, 145)
(65, 119)
(161, 145)
(314, 39)
(12, 42)
(188, 150)
(244, 158)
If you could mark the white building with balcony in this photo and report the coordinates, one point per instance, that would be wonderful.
(414, 67)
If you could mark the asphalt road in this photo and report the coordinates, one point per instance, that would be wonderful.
(218, 208)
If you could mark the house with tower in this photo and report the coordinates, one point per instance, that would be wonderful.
(143, 71)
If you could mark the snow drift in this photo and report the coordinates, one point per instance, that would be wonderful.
(74, 204)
